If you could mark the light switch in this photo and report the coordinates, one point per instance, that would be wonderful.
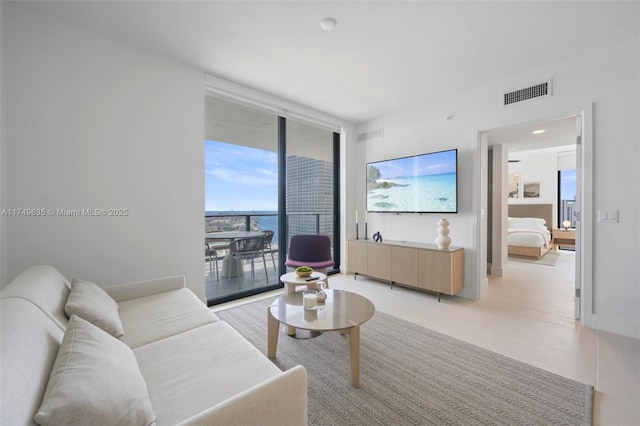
(608, 216)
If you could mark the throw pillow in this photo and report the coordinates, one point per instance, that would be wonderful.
(90, 302)
(95, 380)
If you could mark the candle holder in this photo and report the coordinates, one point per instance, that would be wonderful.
(310, 300)
(365, 231)
(357, 231)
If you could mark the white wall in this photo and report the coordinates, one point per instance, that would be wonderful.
(537, 166)
(95, 124)
(607, 78)
(3, 169)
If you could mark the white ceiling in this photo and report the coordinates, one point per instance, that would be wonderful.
(559, 135)
(384, 56)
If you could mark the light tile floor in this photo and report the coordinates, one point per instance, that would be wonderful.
(528, 315)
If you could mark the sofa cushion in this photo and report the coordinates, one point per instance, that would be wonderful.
(94, 380)
(151, 318)
(91, 303)
(195, 370)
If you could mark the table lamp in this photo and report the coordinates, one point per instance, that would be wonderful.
(566, 224)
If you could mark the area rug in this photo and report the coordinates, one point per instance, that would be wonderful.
(550, 259)
(411, 375)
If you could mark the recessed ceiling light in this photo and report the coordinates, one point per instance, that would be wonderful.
(537, 132)
(328, 24)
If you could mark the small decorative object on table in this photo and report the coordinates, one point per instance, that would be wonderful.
(304, 271)
(322, 296)
(310, 299)
(442, 240)
(566, 225)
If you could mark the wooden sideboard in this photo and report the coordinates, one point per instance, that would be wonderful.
(421, 266)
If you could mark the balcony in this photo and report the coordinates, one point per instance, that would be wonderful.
(220, 289)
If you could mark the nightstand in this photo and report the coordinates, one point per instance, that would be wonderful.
(564, 237)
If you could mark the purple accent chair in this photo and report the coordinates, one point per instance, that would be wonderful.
(310, 250)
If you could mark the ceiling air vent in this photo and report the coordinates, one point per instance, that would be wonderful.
(371, 134)
(536, 91)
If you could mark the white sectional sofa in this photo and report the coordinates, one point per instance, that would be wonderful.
(175, 362)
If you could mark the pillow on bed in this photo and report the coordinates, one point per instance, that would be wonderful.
(527, 223)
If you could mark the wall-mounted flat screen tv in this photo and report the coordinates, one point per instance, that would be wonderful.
(425, 183)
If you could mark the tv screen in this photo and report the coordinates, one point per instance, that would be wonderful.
(425, 183)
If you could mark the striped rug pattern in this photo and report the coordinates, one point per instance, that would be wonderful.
(411, 375)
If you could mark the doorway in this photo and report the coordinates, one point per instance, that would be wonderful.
(530, 155)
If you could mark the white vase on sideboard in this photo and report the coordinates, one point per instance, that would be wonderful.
(443, 240)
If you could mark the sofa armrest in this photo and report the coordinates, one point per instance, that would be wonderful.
(136, 289)
(279, 401)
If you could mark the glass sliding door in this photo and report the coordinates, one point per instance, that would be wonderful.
(268, 175)
(311, 194)
(241, 197)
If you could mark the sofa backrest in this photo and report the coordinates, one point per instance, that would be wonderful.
(45, 287)
(29, 343)
(32, 324)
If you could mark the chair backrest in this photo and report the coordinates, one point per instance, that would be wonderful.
(247, 245)
(268, 237)
(310, 248)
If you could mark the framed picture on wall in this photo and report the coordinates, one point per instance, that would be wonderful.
(513, 186)
(531, 189)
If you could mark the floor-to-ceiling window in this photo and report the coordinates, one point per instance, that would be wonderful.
(263, 173)
(566, 197)
(310, 180)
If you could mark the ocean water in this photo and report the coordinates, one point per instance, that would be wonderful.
(432, 193)
(269, 222)
(264, 222)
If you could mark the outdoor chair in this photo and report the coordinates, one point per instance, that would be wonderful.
(211, 256)
(268, 237)
(248, 248)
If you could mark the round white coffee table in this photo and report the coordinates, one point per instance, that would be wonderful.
(343, 311)
(291, 281)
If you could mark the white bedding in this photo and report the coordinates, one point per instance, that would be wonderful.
(528, 237)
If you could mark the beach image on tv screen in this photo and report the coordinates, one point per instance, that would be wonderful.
(421, 183)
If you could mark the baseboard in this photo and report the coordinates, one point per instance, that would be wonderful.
(497, 271)
(470, 293)
(616, 325)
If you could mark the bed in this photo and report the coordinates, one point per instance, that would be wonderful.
(528, 230)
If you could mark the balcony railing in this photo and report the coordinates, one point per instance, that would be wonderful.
(299, 223)
(220, 289)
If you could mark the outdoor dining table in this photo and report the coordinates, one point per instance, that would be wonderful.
(229, 263)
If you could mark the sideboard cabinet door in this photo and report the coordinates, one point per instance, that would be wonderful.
(404, 265)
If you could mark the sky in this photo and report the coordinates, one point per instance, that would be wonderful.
(568, 185)
(240, 178)
(427, 164)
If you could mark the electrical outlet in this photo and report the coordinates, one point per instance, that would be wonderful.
(608, 216)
